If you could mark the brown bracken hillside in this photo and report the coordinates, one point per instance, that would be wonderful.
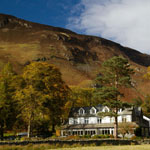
(78, 57)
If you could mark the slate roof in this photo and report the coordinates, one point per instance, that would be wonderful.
(74, 112)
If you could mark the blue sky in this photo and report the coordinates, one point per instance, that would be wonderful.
(50, 12)
(124, 21)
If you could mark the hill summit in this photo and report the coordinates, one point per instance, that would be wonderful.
(79, 57)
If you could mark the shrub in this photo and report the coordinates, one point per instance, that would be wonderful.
(95, 137)
(102, 136)
(107, 136)
(86, 136)
(58, 133)
(111, 136)
(135, 138)
(24, 138)
(72, 137)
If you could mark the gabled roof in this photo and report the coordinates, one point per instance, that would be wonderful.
(74, 112)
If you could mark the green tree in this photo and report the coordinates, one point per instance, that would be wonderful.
(146, 106)
(146, 102)
(7, 103)
(137, 101)
(43, 95)
(82, 96)
(114, 74)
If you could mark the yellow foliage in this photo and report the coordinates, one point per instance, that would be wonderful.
(44, 91)
(147, 75)
(82, 96)
(58, 133)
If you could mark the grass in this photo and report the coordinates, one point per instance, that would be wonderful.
(74, 147)
(132, 147)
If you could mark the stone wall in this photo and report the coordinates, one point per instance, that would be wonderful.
(71, 142)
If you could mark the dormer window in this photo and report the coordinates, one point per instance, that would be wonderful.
(92, 110)
(106, 109)
(81, 111)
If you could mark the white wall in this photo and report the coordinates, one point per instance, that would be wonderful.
(119, 118)
(129, 118)
(106, 120)
(71, 121)
(93, 120)
(80, 120)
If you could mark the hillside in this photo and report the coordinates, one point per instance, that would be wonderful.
(79, 57)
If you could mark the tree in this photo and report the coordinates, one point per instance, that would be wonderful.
(115, 73)
(147, 75)
(127, 128)
(30, 105)
(43, 95)
(137, 101)
(82, 96)
(7, 103)
(146, 103)
(146, 106)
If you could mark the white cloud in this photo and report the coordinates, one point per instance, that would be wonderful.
(124, 21)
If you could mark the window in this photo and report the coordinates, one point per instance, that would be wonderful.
(124, 119)
(120, 110)
(86, 120)
(106, 109)
(99, 120)
(81, 111)
(75, 121)
(93, 111)
(112, 120)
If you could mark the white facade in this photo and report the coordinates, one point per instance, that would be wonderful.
(87, 121)
(96, 119)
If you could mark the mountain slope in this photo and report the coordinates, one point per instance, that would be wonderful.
(79, 57)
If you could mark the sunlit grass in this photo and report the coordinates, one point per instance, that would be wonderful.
(65, 147)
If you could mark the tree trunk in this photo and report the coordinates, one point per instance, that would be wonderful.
(123, 135)
(116, 111)
(2, 132)
(116, 127)
(29, 128)
(53, 128)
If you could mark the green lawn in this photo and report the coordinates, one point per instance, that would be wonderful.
(132, 147)
(49, 147)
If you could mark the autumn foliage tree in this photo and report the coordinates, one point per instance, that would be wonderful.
(43, 95)
(82, 96)
(127, 128)
(7, 103)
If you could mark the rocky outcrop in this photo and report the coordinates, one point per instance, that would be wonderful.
(6, 19)
(79, 57)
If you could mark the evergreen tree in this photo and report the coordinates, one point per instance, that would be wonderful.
(146, 106)
(115, 73)
(7, 103)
